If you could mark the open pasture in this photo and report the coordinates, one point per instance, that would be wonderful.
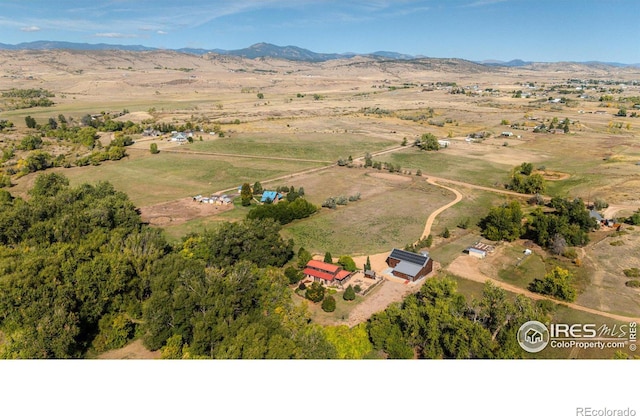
(323, 147)
(391, 213)
(151, 179)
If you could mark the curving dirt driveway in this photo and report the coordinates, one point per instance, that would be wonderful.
(434, 214)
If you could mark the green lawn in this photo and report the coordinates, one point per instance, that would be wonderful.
(522, 272)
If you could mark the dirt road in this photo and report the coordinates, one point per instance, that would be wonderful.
(434, 214)
(467, 267)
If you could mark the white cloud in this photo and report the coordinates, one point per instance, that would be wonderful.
(162, 32)
(481, 3)
(30, 29)
(113, 35)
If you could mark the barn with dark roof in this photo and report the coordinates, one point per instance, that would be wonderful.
(408, 265)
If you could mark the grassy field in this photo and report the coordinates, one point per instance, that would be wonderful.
(445, 251)
(149, 179)
(376, 223)
(474, 206)
(466, 169)
(321, 147)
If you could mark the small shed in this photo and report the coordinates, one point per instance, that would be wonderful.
(476, 252)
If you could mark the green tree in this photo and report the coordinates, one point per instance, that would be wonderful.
(526, 168)
(329, 304)
(293, 275)
(30, 142)
(303, 257)
(557, 283)
(635, 218)
(153, 148)
(328, 258)
(503, 223)
(428, 142)
(347, 263)
(246, 195)
(260, 96)
(315, 292)
(30, 122)
(349, 294)
(256, 241)
(446, 233)
(257, 188)
(367, 265)
(350, 343)
(429, 241)
(48, 185)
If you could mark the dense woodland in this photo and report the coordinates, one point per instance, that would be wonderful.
(81, 274)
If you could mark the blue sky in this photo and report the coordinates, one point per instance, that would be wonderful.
(538, 30)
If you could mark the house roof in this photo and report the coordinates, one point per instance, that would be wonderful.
(410, 269)
(342, 274)
(271, 195)
(316, 273)
(410, 263)
(407, 256)
(326, 267)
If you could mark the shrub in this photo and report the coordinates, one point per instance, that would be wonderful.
(329, 304)
(153, 148)
(464, 223)
(633, 283)
(570, 253)
(600, 204)
(556, 283)
(349, 294)
(347, 263)
(315, 293)
(632, 272)
(357, 289)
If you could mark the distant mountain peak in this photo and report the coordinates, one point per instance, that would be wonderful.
(265, 50)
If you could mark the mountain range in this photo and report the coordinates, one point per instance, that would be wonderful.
(263, 50)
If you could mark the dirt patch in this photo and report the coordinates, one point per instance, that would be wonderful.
(391, 290)
(390, 177)
(180, 211)
(134, 351)
(551, 175)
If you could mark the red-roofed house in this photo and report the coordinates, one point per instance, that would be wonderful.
(326, 273)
